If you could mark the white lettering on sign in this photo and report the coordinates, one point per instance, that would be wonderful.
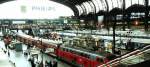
(42, 8)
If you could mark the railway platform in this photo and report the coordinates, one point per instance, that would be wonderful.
(18, 59)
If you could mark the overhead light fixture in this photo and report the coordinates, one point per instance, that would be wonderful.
(136, 22)
(81, 20)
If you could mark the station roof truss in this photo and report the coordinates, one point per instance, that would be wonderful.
(84, 8)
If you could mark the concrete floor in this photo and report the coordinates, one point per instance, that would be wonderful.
(4, 61)
(21, 60)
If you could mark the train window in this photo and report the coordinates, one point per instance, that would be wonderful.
(77, 53)
(63, 49)
(66, 50)
(33, 43)
(87, 56)
(71, 51)
(81, 54)
(84, 55)
(99, 60)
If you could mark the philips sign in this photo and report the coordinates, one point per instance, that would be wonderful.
(42, 8)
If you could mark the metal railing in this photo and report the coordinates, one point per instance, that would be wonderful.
(137, 55)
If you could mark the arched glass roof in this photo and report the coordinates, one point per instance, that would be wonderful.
(84, 7)
(149, 3)
(80, 10)
(94, 6)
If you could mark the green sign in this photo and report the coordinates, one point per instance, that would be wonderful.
(23, 9)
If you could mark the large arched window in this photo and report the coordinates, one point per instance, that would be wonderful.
(100, 5)
(84, 9)
(114, 4)
(96, 5)
(103, 4)
(80, 10)
(110, 4)
(132, 2)
(92, 6)
(87, 7)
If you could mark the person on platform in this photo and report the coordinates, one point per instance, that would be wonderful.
(54, 64)
(46, 64)
(50, 64)
(32, 61)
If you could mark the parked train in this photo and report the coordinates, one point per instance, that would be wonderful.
(80, 58)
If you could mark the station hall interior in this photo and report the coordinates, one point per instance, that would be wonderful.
(74, 33)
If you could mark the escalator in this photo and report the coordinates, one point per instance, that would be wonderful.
(133, 59)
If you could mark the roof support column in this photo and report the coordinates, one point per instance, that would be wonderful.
(146, 15)
(128, 20)
(114, 40)
(106, 17)
(123, 11)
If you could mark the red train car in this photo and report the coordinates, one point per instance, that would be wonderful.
(81, 58)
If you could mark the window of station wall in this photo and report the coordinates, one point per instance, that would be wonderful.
(100, 19)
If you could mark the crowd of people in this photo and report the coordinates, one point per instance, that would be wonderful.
(51, 64)
(43, 64)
